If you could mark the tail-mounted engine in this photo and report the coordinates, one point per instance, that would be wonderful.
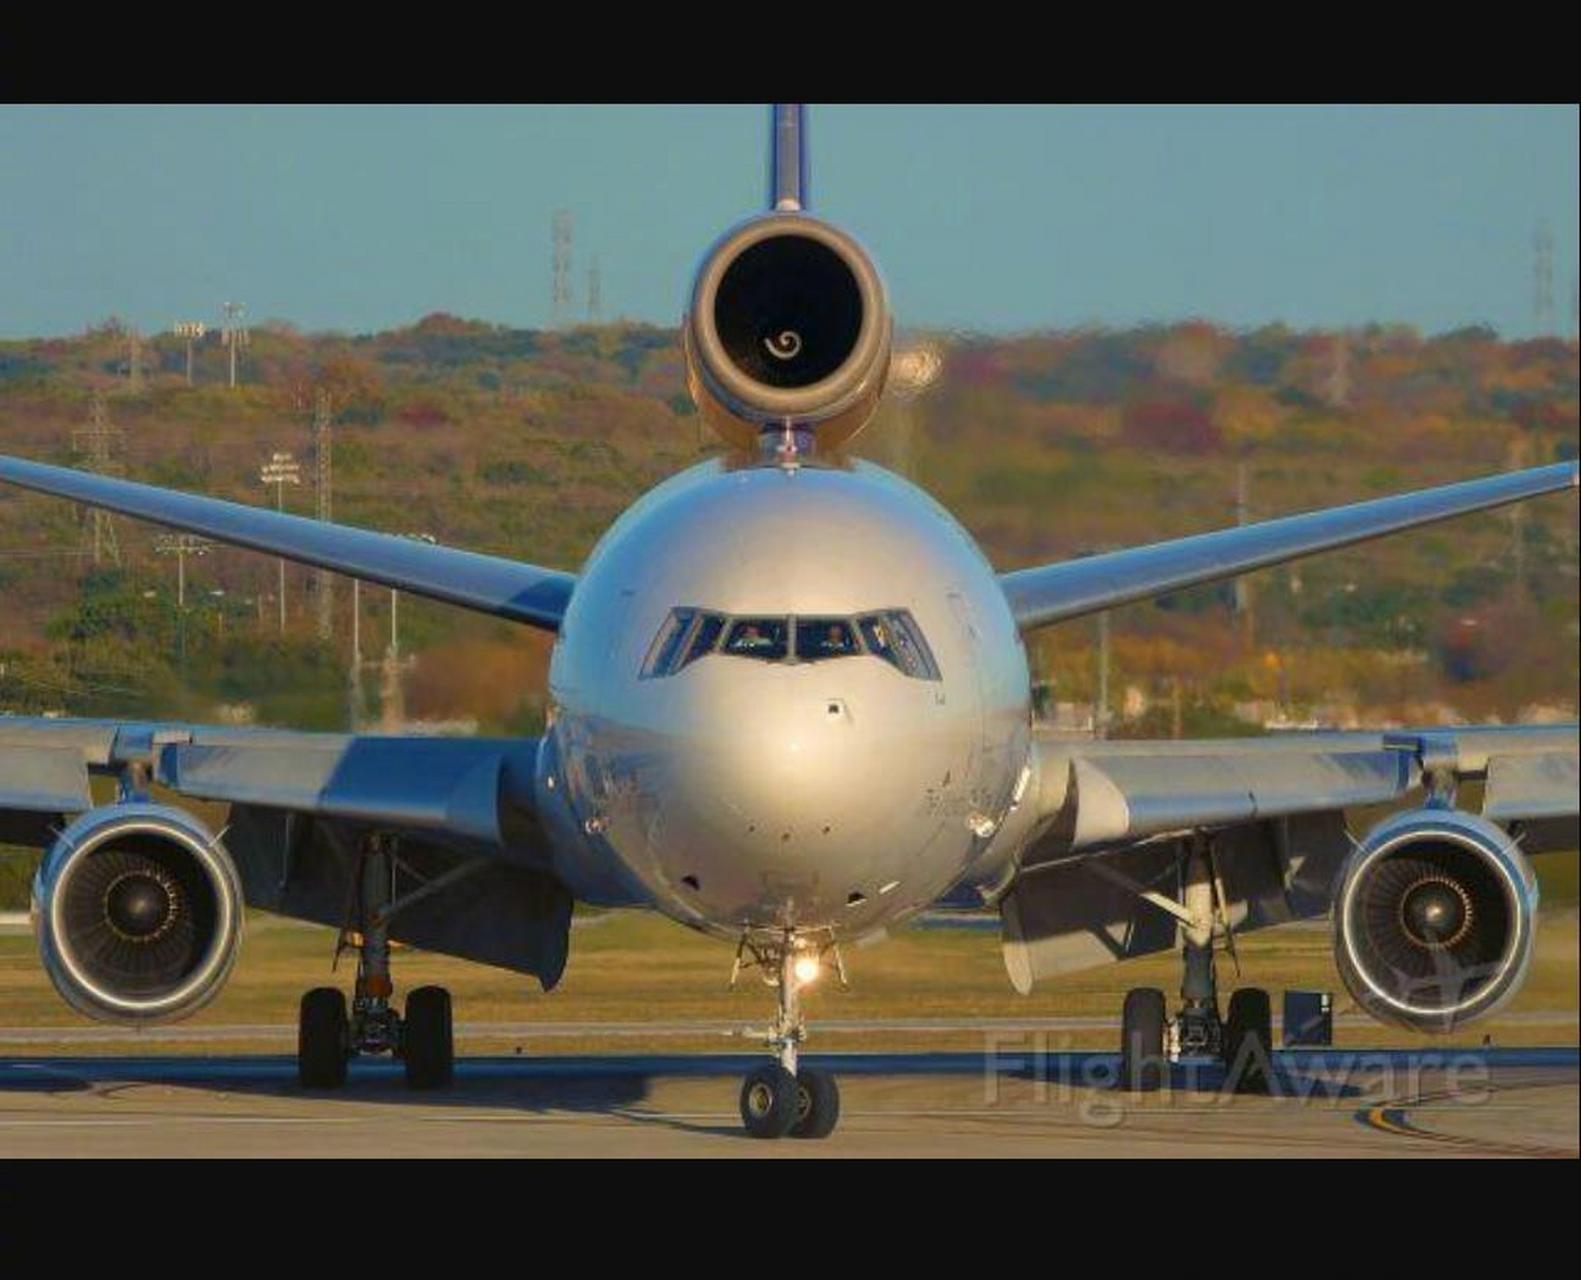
(138, 913)
(1434, 919)
(788, 326)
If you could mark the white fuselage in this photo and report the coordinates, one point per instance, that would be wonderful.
(743, 792)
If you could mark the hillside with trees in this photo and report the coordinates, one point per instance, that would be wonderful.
(528, 443)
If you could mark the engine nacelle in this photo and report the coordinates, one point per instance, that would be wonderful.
(1434, 919)
(788, 323)
(138, 913)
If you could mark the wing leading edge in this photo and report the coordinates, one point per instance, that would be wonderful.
(1057, 592)
(488, 584)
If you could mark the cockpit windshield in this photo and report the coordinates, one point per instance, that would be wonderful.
(687, 635)
(890, 634)
(705, 635)
(895, 637)
(758, 638)
(818, 638)
(669, 643)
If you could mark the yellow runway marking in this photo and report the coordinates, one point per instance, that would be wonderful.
(1392, 1117)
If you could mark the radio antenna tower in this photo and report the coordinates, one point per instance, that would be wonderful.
(1543, 279)
(560, 282)
(323, 455)
(595, 291)
(96, 444)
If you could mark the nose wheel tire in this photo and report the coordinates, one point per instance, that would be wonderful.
(817, 1104)
(1142, 1040)
(427, 1039)
(1248, 1040)
(769, 1101)
(323, 1038)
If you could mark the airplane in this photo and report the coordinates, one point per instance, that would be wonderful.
(789, 707)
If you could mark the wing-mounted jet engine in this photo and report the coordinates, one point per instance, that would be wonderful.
(1434, 918)
(788, 326)
(138, 913)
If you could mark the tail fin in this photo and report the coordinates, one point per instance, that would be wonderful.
(787, 157)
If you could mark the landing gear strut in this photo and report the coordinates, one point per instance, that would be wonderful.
(784, 1097)
(1149, 1040)
(328, 1036)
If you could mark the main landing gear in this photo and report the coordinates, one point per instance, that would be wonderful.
(1242, 1041)
(1150, 1040)
(328, 1036)
(786, 1098)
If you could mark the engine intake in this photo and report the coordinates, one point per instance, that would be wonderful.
(137, 909)
(788, 322)
(1433, 921)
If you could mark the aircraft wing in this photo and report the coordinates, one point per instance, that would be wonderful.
(1104, 827)
(488, 584)
(464, 813)
(1056, 592)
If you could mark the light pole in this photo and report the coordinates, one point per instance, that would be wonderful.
(393, 698)
(181, 545)
(395, 596)
(281, 469)
(192, 331)
(235, 332)
(1100, 700)
(1100, 711)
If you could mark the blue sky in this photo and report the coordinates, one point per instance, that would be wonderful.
(983, 218)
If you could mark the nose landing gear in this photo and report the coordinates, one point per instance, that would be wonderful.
(328, 1036)
(786, 1098)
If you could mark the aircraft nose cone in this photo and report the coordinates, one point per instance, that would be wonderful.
(804, 792)
(790, 771)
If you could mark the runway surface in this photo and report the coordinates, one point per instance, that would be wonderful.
(285, 1033)
(1502, 1102)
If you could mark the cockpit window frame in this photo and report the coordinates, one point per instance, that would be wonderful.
(667, 641)
(696, 647)
(676, 644)
(912, 656)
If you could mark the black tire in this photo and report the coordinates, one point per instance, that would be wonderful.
(768, 1101)
(323, 1035)
(1248, 1041)
(817, 1104)
(428, 1039)
(1142, 1041)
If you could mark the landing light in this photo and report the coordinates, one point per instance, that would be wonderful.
(805, 969)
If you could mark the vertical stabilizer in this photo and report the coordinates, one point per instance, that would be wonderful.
(787, 156)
